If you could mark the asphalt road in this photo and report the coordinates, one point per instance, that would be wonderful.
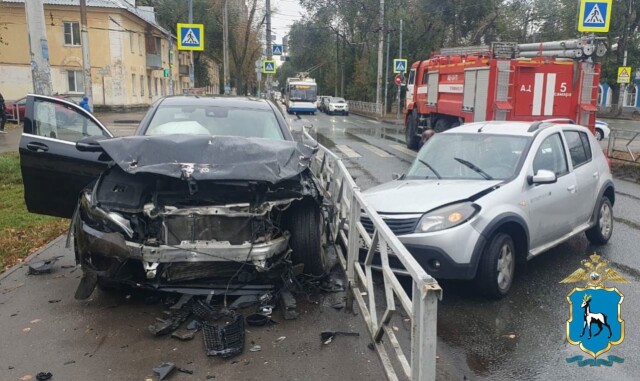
(522, 336)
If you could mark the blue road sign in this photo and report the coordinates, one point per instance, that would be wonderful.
(190, 37)
(269, 67)
(276, 50)
(594, 16)
(399, 65)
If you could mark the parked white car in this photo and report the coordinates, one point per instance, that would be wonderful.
(602, 130)
(338, 105)
(483, 196)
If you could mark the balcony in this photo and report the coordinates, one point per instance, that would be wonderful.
(154, 61)
(184, 70)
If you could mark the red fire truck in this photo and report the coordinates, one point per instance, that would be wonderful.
(506, 81)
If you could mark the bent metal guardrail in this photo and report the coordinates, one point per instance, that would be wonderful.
(347, 205)
(627, 138)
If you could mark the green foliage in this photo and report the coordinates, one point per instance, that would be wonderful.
(432, 24)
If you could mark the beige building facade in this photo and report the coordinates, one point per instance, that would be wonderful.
(129, 53)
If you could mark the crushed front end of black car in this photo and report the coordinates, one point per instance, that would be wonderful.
(190, 212)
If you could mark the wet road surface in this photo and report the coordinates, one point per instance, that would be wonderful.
(523, 336)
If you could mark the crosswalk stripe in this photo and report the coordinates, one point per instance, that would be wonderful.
(347, 151)
(404, 149)
(377, 150)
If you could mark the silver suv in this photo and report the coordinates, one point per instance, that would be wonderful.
(483, 196)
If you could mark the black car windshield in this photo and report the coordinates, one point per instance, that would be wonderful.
(468, 156)
(215, 121)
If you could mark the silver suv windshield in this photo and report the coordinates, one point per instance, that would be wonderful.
(468, 156)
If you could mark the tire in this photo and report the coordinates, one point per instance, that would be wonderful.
(441, 125)
(497, 267)
(599, 134)
(410, 131)
(601, 232)
(305, 223)
(346, 114)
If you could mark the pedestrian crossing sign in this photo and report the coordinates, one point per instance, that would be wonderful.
(276, 50)
(190, 37)
(624, 74)
(399, 65)
(594, 16)
(268, 66)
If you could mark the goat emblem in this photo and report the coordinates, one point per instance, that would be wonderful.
(598, 306)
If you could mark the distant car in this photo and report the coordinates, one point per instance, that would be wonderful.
(323, 102)
(338, 105)
(21, 103)
(602, 130)
(484, 196)
(205, 186)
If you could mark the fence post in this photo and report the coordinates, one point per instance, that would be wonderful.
(423, 330)
(353, 247)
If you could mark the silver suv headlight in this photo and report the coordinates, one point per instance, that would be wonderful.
(447, 217)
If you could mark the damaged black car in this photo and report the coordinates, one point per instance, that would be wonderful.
(206, 189)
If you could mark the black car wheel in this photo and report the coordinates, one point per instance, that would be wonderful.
(410, 131)
(497, 266)
(305, 223)
(600, 233)
(599, 134)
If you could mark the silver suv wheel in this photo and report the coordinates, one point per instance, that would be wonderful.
(505, 266)
(606, 220)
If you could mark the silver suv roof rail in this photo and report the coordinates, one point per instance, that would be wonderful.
(536, 125)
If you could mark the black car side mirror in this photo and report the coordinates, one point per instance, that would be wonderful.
(90, 144)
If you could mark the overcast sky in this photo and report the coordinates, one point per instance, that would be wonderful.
(284, 13)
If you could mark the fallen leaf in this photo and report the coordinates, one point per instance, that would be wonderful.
(26, 329)
(511, 336)
(26, 377)
(396, 328)
(35, 321)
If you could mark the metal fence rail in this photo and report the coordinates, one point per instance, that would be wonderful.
(370, 107)
(347, 205)
(14, 116)
(626, 143)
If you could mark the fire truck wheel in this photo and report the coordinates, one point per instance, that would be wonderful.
(410, 131)
(441, 125)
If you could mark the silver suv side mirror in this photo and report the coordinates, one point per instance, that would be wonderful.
(543, 176)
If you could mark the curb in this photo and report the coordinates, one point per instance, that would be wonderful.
(31, 256)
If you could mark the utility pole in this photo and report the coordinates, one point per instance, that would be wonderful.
(170, 63)
(335, 91)
(269, 52)
(342, 69)
(380, 50)
(86, 62)
(39, 47)
(192, 73)
(386, 77)
(623, 86)
(402, 74)
(225, 48)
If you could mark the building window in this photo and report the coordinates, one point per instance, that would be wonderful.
(156, 83)
(149, 85)
(131, 41)
(630, 94)
(75, 81)
(140, 44)
(133, 84)
(72, 33)
(142, 85)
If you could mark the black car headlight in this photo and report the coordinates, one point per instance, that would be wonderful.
(447, 217)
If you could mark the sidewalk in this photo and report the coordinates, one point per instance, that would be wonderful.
(388, 119)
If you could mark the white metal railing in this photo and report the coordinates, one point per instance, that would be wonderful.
(14, 115)
(620, 141)
(344, 220)
(370, 107)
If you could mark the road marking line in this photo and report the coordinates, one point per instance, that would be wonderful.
(377, 150)
(348, 151)
(404, 149)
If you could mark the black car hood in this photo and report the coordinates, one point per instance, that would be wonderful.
(201, 157)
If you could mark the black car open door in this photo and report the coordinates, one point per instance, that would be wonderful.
(54, 171)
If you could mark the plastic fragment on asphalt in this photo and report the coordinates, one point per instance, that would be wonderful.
(279, 339)
(288, 305)
(255, 348)
(327, 336)
(184, 335)
(164, 369)
(26, 377)
(184, 370)
(224, 340)
(44, 376)
(41, 267)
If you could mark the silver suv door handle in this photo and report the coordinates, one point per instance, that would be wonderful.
(571, 188)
